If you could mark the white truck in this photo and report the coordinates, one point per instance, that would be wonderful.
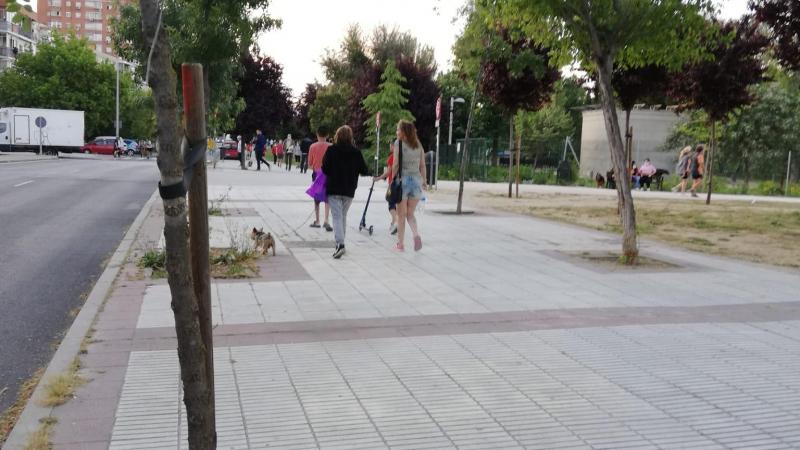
(62, 130)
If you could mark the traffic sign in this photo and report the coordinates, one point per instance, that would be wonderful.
(41, 122)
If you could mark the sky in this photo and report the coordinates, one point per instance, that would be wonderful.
(311, 26)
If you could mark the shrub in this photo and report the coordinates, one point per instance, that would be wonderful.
(769, 188)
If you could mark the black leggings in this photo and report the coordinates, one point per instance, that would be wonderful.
(645, 181)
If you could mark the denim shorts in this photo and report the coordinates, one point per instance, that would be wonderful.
(412, 187)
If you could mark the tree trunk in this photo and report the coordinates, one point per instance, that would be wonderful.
(628, 139)
(519, 150)
(710, 161)
(466, 140)
(510, 150)
(192, 353)
(630, 249)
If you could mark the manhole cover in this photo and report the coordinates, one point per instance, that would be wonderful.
(309, 244)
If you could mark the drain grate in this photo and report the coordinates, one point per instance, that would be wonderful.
(309, 244)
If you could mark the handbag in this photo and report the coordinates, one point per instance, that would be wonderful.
(395, 192)
(318, 190)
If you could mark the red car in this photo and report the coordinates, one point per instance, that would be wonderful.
(101, 145)
(229, 150)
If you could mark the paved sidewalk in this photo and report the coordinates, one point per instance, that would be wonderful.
(493, 336)
(16, 157)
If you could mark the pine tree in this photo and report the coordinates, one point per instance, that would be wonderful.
(390, 100)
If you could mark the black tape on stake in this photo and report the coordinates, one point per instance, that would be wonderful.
(192, 153)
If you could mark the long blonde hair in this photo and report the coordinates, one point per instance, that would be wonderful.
(409, 133)
(686, 150)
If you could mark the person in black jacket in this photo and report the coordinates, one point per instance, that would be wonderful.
(305, 145)
(342, 164)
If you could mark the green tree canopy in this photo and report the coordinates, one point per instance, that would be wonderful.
(390, 100)
(329, 109)
(213, 33)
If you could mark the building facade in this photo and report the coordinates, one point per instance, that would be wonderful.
(88, 18)
(14, 39)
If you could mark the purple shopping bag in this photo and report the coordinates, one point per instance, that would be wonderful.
(317, 190)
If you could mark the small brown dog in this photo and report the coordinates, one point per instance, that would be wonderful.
(263, 241)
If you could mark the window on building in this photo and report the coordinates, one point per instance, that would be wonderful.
(78, 15)
(78, 5)
(53, 2)
(94, 15)
(92, 4)
(55, 24)
(69, 4)
(68, 14)
(96, 37)
(96, 26)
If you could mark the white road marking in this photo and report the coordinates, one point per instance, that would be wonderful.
(23, 183)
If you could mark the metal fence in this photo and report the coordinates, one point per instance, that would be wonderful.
(488, 159)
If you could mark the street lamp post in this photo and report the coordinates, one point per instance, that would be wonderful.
(116, 123)
(450, 130)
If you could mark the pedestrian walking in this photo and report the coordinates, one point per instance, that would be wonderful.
(240, 147)
(342, 164)
(682, 168)
(387, 175)
(277, 153)
(305, 146)
(261, 147)
(697, 168)
(288, 149)
(316, 154)
(213, 151)
(409, 166)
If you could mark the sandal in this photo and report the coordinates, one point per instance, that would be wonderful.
(399, 247)
(417, 243)
(314, 225)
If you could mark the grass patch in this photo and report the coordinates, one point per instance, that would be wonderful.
(763, 231)
(60, 388)
(9, 417)
(40, 439)
(156, 261)
(699, 241)
(233, 263)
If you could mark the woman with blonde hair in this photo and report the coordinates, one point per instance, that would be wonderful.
(682, 168)
(409, 167)
(342, 164)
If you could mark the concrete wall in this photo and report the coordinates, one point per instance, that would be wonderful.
(650, 132)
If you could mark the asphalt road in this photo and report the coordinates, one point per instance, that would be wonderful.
(59, 221)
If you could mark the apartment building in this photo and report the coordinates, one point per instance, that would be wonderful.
(14, 38)
(89, 19)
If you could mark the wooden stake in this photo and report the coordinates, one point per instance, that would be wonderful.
(195, 116)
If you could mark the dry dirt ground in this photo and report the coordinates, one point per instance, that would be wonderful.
(761, 232)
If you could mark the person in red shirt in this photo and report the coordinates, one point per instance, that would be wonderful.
(389, 176)
(315, 154)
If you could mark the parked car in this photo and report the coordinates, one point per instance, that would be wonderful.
(132, 147)
(229, 150)
(101, 145)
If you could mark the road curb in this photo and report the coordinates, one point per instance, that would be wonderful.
(70, 346)
(27, 160)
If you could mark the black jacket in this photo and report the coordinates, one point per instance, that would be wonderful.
(342, 165)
